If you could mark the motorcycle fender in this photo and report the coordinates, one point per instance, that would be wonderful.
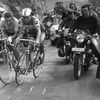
(82, 59)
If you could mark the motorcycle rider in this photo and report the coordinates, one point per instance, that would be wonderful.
(90, 23)
(68, 22)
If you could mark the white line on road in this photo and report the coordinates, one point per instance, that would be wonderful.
(18, 90)
(31, 89)
(44, 91)
(1, 92)
(9, 97)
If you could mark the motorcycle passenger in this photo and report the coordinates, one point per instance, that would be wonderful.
(30, 26)
(74, 8)
(59, 10)
(88, 22)
(10, 26)
(93, 13)
(68, 22)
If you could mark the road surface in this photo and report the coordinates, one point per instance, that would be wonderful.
(56, 82)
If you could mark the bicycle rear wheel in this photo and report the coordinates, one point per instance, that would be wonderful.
(38, 64)
(21, 69)
(6, 69)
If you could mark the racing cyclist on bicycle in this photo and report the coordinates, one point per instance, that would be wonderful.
(30, 27)
(9, 25)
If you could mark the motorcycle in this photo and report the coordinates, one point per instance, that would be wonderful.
(67, 46)
(54, 34)
(48, 25)
(63, 50)
(82, 54)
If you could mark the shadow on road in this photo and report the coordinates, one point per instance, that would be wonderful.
(62, 74)
(95, 87)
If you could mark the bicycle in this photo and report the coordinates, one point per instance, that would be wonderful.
(6, 56)
(29, 61)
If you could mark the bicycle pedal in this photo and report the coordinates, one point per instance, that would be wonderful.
(22, 71)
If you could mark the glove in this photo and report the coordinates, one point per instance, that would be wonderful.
(9, 39)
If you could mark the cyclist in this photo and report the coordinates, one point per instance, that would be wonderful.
(31, 26)
(10, 26)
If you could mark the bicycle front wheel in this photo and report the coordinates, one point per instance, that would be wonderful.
(21, 69)
(6, 69)
(38, 64)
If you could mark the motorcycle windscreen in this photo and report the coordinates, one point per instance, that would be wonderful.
(96, 43)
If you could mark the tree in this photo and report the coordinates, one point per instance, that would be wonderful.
(95, 3)
(14, 4)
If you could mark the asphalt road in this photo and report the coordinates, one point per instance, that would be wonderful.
(56, 82)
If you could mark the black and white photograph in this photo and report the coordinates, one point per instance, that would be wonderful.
(49, 49)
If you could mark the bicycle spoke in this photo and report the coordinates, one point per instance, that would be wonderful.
(6, 70)
(23, 69)
(37, 65)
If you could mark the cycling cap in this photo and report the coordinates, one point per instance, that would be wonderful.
(26, 12)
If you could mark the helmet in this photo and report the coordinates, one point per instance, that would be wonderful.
(2, 10)
(26, 12)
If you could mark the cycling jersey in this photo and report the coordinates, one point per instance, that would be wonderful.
(11, 29)
(30, 27)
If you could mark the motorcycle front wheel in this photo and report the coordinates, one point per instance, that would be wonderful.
(77, 66)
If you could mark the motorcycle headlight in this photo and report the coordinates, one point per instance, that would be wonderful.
(80, 38)
(10, 39)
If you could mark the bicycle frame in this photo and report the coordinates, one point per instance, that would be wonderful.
(27, 50)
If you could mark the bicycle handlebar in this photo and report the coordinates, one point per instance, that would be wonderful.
(28, 40)
(3, 39)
